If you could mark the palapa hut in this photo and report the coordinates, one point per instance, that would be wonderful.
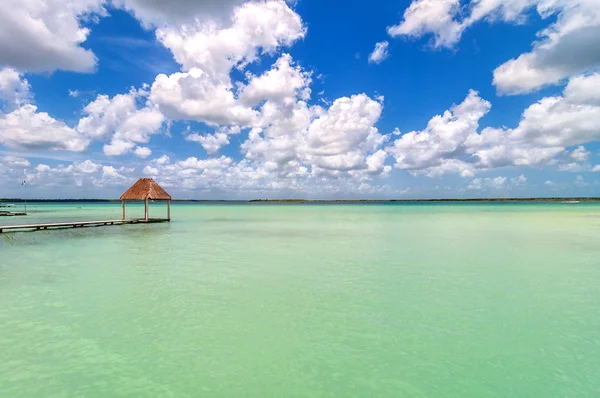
(146, 189)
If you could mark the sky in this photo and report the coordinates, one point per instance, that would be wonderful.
(236, 99)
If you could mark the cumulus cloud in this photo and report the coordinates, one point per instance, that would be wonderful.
(255, 27)
(28, 129)
(79, 177)
(564, 48)
(564, 120)
(194, 95)
(576, 161)
(283, 83)
(332, 142)
(43, 36)
(431, 16)
(444, 138)
(580, 154)
(208, 52)
(452, 143)
(228, 177)
(14, 90)
(486, 183)
(213, 142)
(379, 53)
(142, 152)
(122, 120)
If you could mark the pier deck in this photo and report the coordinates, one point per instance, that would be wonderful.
(78, 224)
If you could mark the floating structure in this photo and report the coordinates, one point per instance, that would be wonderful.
(145, 189)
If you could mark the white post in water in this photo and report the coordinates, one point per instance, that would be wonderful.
(25, 184)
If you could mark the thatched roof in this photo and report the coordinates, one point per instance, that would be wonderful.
(145, 188)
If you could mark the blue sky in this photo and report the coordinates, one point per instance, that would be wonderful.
(269, 99)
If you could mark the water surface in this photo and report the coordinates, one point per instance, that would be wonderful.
(432, 300)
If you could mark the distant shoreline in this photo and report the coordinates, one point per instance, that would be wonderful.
(424, 200)
(321, 201)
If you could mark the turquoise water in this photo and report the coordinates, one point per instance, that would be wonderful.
(304, 301)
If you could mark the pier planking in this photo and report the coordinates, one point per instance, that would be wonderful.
(78, 224)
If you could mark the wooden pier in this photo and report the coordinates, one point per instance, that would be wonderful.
(145, 189)
(78, 224)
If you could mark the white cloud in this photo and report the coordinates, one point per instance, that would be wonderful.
(42, 168)
(346, 126)
(564, 48)
(86, 167)
(431, 16)
(287, 137)
(196, 96)
(248, 178)
(213, 142)
(580, 154)
(498, 182)
(217, 48)
(164, 159)
(15, 161)
(282, 84)
(519, 181)
(486, 183)
(117, 147)
(376, 163)
(208, 52)
(27, 129)
(142, 152)
(562, 121)
(444, 138)
(340, 141)
(452, 143)
(447, 166)
(45, 35)
(583, 90)
(122, 119)
(379, 53)
(14, 91)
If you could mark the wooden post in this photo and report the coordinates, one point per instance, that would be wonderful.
(169, 209)
(123, 208)
(146, 209)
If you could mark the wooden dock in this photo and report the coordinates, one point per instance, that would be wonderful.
(79, 224)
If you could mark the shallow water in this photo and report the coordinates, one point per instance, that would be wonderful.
(438, 300)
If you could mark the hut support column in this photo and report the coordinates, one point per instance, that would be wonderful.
(169, 210)
(123, 208)
(146, 209)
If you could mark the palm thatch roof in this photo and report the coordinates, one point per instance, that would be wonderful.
(145, 188)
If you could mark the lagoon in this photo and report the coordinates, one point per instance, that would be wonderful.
(304, 300)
